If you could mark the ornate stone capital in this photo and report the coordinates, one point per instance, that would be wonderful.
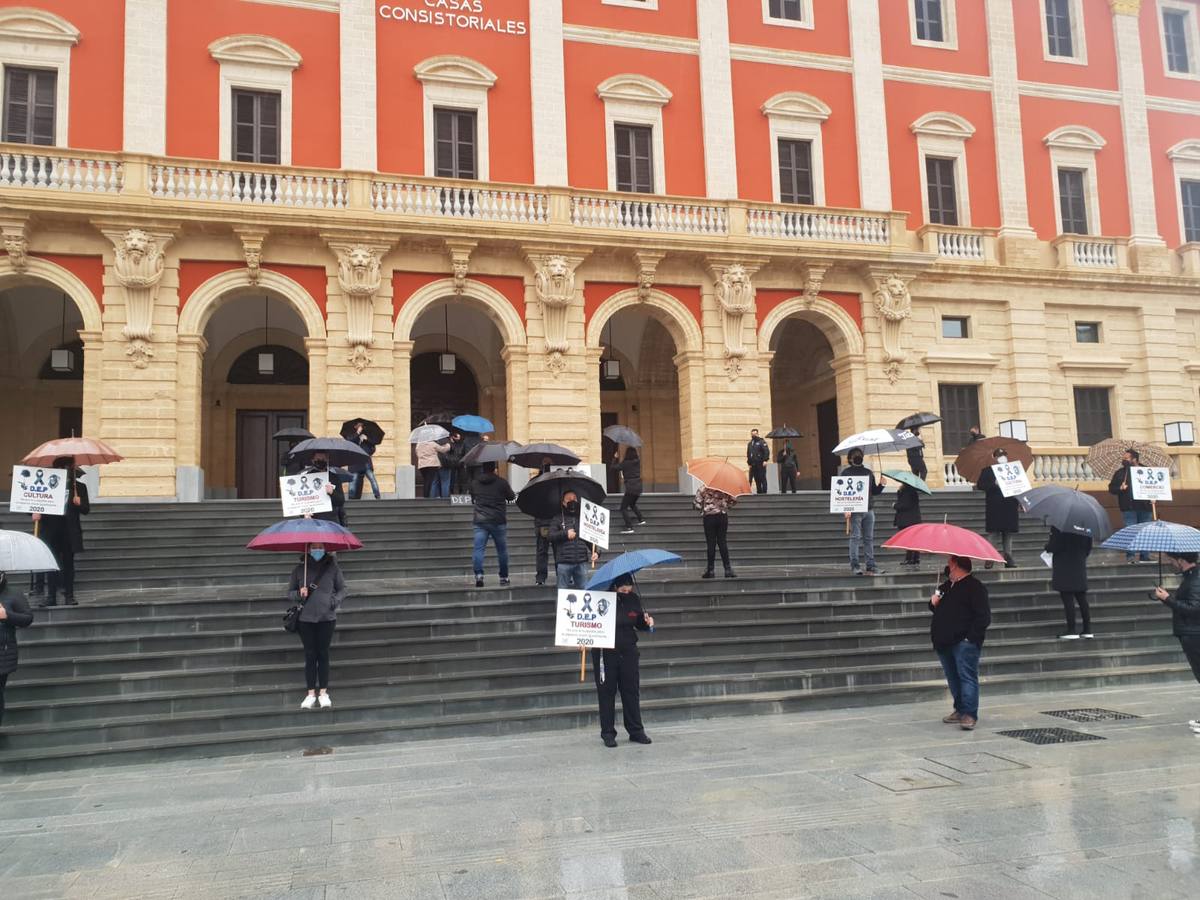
(1125, 7)
(647, 262)
(554, 287)
(14, 230)
(460, 261)
(138, 264)
(360, 276)
(893, 304)
(252, 242)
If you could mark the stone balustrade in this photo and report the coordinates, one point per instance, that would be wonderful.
(1084, 251)
(263, 186)
(460, 200)
(632, 212)
(952, 244)
(823, 225)
(49, 169)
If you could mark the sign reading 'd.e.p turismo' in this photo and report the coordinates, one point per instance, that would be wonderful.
(460, 15)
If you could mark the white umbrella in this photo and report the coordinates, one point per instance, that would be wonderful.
(21, 552)
(425, 433)
(879, 440)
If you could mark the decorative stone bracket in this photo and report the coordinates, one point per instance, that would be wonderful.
(554, 286)
(814, 277)
(252, 243)
(14, 230)
(647, 262)
(138, 267)
(360, 276)
(893, 303)
(734, 290)
(460, 262)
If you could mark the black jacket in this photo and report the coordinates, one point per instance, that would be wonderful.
(491, 495)
(338, 497)
(1068, 570)
(326, 598)
(366, 444)
(65, 532)
(1000, 513)
(19, 616)
(757, 452)
(1185, 605)
(1125, 501)
(916, 461)
(787, 459)
(567, 550)
(631, 619)
(962, 614)
(907, 506)
(453, 456)
(863, 471)
(631, 474)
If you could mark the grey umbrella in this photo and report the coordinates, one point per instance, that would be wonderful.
(424, 433)
(918, 420)
(532, 455)
(784, 431)
(622, 434)
(1070, 511)
(490, 451)
(21, 552)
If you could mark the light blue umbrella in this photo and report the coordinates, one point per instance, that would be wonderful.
(475, 424)
(1152, 537)
(908, 478)
(628, 564)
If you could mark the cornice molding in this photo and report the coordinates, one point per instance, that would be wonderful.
(585, 34)
(940, 358)
(939, 79)
(796, 58)
(1084, 364)
(1068, 92)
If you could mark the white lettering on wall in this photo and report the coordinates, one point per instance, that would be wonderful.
(467, 15)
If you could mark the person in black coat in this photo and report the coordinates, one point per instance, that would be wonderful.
(916, 458)
(789, 465)
(571, 552)
(758, 453)
(617, 670)
(318, 588)
(364, 441)
(1068, 576)
(1185, 612)
(333, 487)
(64, 535)
(1002, 515)
(961, 616)
(541, 533)
(908, 512)
(14, 613)
(491, 494)
(1133, 511)
(631, 477)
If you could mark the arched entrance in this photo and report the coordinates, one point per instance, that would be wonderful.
(457, 366)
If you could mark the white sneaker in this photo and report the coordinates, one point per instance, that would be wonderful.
(326, 701)
(308, 702)
(1087, 635)
(1194, 724)
(628, 531)
(1068, 637)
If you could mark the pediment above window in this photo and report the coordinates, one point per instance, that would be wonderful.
(36, 26)
(254, 49)
(943, 124)
(456, 70)
(796, 105)
(631, 88)
(1075, 137)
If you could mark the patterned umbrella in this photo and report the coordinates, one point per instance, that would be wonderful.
(85, 452)
(1150, 537)
(977, 456)
(1105, 457)
(879, 440)
(296, 535)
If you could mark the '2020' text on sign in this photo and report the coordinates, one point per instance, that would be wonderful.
(38, 490)
(586, 619)
(460, 15)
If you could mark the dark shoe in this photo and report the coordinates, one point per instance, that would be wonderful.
(729, 573)
(988, 564)
(478, 581)
(642, 738)
(708, 574)
(967, 723)
(504, 582)
(46, 604)
(609, 741)
(953, 719)
(70, 601)
(539, 582)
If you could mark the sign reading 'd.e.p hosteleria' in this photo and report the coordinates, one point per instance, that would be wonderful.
(460, 15)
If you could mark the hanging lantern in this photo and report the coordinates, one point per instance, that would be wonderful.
(447, 362)
(62, 360)
(266, 364)
(610, 369)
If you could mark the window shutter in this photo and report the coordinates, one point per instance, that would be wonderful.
(942, 190)
(959, 405)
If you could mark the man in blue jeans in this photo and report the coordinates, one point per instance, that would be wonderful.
(1133, 512)
(862, 525)
(491, 495)
(961, 616)
(571, 554)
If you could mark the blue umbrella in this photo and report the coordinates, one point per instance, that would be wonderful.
(476, 424)
(1149, 537)
(627, 564)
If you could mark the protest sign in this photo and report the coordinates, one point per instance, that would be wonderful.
(1011, 478)
(586, 619)
(848, 494)
(38, 490)
(1150, 483)
(305, 494)
(593, 523)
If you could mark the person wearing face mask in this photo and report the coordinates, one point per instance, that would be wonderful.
(333, 487)
(789, 465)
(862, 525)
(541, 536)
(318, 588)
(1185, 612)
(1133, 511)
(616, 671)
(14, 613)
(571, 554)
(64, 535)
(1002, 515)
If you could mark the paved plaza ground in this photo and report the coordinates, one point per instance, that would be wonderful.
(883, 803)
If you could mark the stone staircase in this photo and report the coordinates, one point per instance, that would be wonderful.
(177, 647)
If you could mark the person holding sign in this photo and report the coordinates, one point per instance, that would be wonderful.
(1133, 512)
(1002, 515)
(616, 671)
(571, 552)
(333, 487)
(64, 535)
(862, 524)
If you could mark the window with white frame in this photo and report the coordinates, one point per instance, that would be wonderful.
(1180, 32)
(634, 158)
(797, 151)
(1186, 158)
(1189, 194)
(932, 23)
(942, 149)
(458, 88)
(632, 101)
(1073, 150)
(792, 13)
(1062, 31)
(253, 69)
(35, 75)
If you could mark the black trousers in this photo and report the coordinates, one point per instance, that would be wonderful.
(64, 579)
(1191, 649)
(542, 554)
(3, 682)
(787, 479)
(758, 474)
(1069, 599)
(912, 556)
(316, 637)
(429, 475)
(620, 674)
(629, 511)
(716, 530)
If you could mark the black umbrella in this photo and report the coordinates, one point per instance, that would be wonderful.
(622, 434)
(533, 455)
(293, 434)
(490, 451)
(917, 420)
(784, 431)
(542, 497)
(371, 429)
(1070, 511)
(339, 452)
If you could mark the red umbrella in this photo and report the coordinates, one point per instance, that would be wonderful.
(85, 452)
(944, 539)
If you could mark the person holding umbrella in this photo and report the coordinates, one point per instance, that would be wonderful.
(714, 506)
(617, 670)
(631, 479)
(64, 535)
(490, 494)
(571, 553)
(961, 616)
(789, 465)
(429, 464)
(368, 436)
(1133, 512)
(14, 613)
(1068, 576)
(1001, 514)
(1185, 612)
(318, 588)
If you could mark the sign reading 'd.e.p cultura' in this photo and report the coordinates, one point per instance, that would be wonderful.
(38, 490)
(459, 15)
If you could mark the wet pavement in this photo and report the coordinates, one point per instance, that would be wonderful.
(878, 802)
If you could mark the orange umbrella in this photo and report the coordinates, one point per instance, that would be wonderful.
(85, 452)
(720, 475)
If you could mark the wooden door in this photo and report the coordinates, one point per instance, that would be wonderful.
(827, 438)
(259, 456)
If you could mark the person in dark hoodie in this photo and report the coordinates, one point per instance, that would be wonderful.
(631, 477)
(491, 495)
(916, 457)
(64, 535)
(862, 525)
(908, 512)
(616, 671)
(14, 614)
(1185, 612)
(961, 616)
(789, 465)
(571, 553)
(1133, 512)
(317, 586)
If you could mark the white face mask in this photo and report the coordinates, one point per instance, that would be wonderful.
(1001, 459)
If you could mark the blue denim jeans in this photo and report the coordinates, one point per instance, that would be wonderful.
(571, 575)
(1136, 517)
(862, 531)
(441, 484)
(356, 490)
(961, 665)
(499, 536)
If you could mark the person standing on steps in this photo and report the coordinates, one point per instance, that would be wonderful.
(333, 487)
(571, 553)
(541, 534)
(916, 458)
(617, 670)
(14, 613)
(1133, 511)
(1068, 576)
(318, 587)
(714, 506)
(908, 512)
(631, 478)
(491, 494)
(364, 441)
(1185, 612)
(64, 535)
(961, 616)
(758, 454)
(1002, 515)
(862, 525)
(429, 464)
(789, 464)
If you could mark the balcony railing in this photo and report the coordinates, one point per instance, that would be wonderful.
(262, 187)
(959, 244)
(630, 213)
(460, 200)
(1082, 251)
(826, 225)
(57, 171)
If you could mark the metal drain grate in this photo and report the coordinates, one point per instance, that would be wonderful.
(1089, 715)
(1050, 735)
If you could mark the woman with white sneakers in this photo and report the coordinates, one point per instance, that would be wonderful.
(318, 588)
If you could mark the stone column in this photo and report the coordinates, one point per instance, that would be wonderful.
(548, 92)
(358, 98)
(693, 413)
(1147, 250)
(145, 99)
(1031, 378)
(189, 404)
(93, 384)
(716, 97)
(1166, 391)
(406, 473)
(851, 373)
(318, 412)
(874, 174)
